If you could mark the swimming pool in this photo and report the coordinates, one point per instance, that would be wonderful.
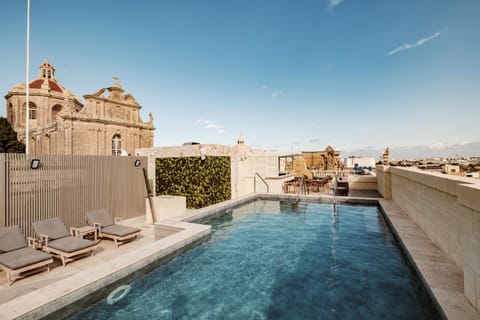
(281, 260)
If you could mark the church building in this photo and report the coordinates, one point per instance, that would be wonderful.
(59, 123)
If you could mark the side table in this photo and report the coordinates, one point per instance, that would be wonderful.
(85, 231)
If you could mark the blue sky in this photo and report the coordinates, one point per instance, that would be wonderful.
(290, 75)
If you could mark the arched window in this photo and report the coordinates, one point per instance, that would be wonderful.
(55, 111)
(33, 111)
(116, 145)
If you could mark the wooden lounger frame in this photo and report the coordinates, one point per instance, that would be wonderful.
(118, 239)
(66, 257)
(15, 274)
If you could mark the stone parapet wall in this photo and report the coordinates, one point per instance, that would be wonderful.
(447, 209)
(384, 183)
(275, 184)
(356, 182)
(188, 151)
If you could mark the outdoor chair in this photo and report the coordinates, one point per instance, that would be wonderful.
(17, 257)
(56, 239)
(108, 228)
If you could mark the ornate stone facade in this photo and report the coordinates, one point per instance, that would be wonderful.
(323, 160)
(108, 124)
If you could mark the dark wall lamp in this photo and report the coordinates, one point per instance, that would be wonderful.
(137, 163)
(35, 164)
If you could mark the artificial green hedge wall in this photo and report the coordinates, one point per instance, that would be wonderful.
(202, 182)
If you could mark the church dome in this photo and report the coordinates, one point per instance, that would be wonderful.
(37, 84)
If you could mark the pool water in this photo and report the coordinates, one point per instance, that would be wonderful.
(281, 260)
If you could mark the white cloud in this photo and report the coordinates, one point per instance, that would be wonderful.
(333, 3)
(264, 87)
(209, 124)
(407, 46)
(205, 122)
(276, 93)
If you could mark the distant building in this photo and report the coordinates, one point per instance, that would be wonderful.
(108, 124)
(329, 159)
(429, 166)
(452, 169)
(354, 161)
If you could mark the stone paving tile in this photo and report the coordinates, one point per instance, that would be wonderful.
(429, 257)
(455, 305)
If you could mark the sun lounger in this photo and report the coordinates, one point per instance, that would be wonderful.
(57, 240)
(17, 258)
(107, 228)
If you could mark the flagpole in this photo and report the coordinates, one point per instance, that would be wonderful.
(27, 91)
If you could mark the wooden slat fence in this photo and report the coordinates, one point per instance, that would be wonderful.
(67, 186)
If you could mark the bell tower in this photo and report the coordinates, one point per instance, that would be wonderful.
(47, 71)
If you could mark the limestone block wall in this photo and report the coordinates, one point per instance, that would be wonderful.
(356, 182)
(447, 208)
(166, 207)
(275, 184)
(384, 183)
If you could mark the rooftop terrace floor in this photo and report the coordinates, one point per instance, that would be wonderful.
(38, 295)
